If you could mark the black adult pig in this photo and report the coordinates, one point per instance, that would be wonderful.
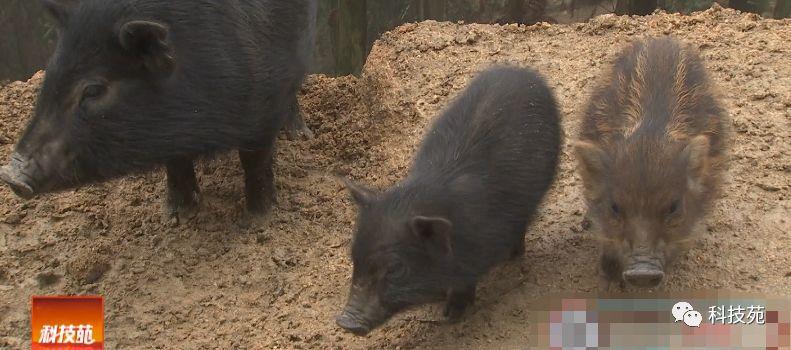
(473, 189)
(138, 83)
(651, 154)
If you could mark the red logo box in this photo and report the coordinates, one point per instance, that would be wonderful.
(67, 323)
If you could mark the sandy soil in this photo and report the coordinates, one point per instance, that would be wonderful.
(212, 284)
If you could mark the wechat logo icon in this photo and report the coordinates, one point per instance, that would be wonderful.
(683, 311)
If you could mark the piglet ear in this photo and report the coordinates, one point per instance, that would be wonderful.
(361, 194)
(591, 161)
(590, 157)
(696, 154)
(433, 230)
(60, 9)
(148, 42)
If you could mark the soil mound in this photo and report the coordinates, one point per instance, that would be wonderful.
(211, 283)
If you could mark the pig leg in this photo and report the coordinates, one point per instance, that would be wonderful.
(586, 223)
(183, 191)
(518, 249)
(259, 184)
(458, 301)
(295, 124)
(610, 271)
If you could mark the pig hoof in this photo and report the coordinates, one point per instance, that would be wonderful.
(604, 285)
(181, 211)
(454, 311)
(259, 208)
(607, 286)
(518, 252)
(586, 224)
(302, 132)
(458, 302)
(296, 129)
(249, 219)
(256, 213)
(182, 215)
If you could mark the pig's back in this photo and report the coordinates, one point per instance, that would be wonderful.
(658, 88)
(497, 144)
(239, 61)
(257, 41)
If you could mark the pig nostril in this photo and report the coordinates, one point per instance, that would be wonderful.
(18, 185)
(642, 278)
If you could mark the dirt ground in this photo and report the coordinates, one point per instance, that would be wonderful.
(211, 283)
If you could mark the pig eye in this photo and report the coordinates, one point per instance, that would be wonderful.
(674, 207)
(397, 271)
(93, 91)
(615, 208)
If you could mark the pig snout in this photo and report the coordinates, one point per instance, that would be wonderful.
(363, 312)
(17, 176)
(644, 273)
(353, 324)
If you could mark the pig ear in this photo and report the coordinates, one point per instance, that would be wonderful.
(361, 194)
(434, 230)
(590, 158)
(148, 41)
(60, 9)
(696, 154)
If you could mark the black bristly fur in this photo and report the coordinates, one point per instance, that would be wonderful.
(237, 67)
(652, 151)
(484, 166)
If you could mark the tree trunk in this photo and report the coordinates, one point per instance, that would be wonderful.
(27, 40)
(349, 35)
(782, 9)
(515, 10)
(744, 5)
(635, 7)
(433, 9)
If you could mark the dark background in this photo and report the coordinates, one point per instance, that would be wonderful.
(348, 28)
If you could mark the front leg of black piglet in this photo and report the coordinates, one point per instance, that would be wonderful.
(459, 299)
